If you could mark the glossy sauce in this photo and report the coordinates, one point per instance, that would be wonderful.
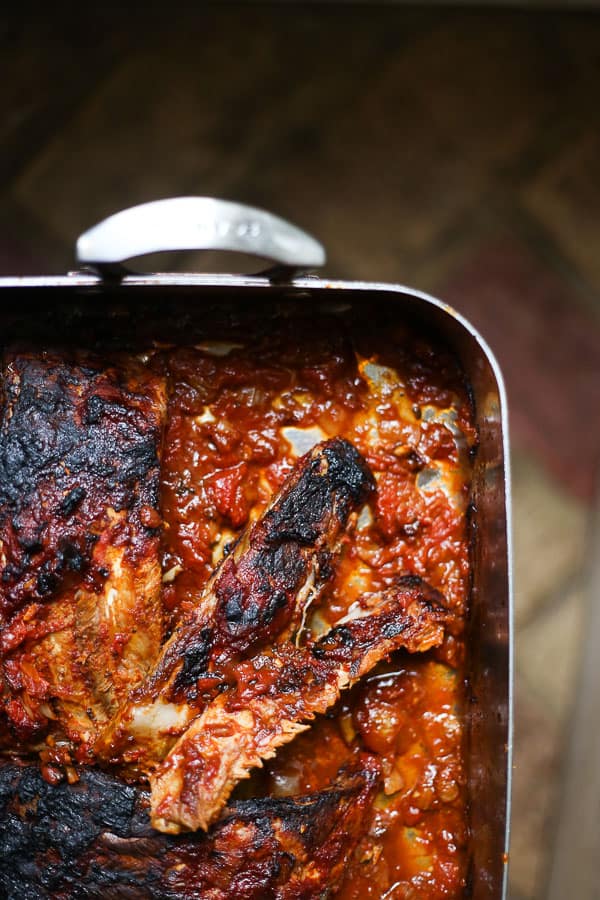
(244, 404)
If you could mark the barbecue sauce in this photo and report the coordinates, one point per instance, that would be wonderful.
(245, 402)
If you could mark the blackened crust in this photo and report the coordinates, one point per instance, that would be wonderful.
(256, 590)
(77, 438)
(333, 476)
(93, 839)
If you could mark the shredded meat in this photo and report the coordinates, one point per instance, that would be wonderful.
(80, 608)
(93, 839)
(257, 595)
(278, 694)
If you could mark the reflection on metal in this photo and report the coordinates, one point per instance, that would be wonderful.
(197, 223)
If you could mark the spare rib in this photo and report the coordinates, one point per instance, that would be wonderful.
(93, 839)
(278, 693)
(80, 608)
(258, 595)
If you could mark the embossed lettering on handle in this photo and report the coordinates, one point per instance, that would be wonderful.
(197, 223)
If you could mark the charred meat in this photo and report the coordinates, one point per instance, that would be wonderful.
(93, 839)
(258, 595)
(80, 608)
(278, 694)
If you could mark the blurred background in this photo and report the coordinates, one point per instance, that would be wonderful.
(456, 150)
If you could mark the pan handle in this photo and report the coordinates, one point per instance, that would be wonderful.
(196, 223)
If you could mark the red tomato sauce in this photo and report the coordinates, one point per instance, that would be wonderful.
(243, 405)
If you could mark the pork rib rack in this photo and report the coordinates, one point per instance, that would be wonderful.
(80, 609)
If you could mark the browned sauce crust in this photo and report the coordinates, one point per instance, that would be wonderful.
(93, 840)
(80, 608)
(258, 594)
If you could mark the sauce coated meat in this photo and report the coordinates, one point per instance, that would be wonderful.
(244, 405)
(80, 577)
(323, 665)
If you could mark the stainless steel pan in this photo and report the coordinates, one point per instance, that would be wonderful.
(107, 298)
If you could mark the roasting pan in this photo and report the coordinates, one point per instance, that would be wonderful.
(104, 302)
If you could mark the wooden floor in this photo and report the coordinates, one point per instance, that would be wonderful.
(457, 151)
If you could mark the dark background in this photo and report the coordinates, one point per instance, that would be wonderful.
(455, 150)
